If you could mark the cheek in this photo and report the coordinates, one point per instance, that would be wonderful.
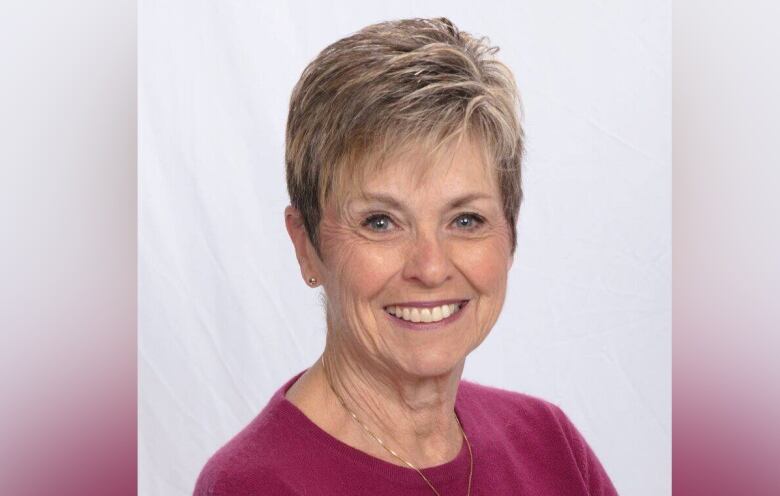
(367, 270)
(486, 266)
(359, 273)
(358, 269)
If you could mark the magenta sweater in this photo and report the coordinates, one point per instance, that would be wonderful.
(522, 446)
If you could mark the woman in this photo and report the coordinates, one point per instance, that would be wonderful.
(403, 167)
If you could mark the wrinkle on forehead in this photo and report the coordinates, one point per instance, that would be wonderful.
(420, 157)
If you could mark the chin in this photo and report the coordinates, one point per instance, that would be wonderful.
(432, 364)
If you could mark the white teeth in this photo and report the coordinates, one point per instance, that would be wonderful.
(415, 314)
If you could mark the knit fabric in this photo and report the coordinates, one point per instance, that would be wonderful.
(522, 446)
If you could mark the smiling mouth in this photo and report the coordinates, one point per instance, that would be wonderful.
(426, 314)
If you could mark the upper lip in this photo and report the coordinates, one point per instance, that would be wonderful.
(427, 304)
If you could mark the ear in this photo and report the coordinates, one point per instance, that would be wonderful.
(304, 251)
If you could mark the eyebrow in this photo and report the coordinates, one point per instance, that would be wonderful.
(398, 204)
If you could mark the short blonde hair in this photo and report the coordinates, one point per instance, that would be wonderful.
(390, 86)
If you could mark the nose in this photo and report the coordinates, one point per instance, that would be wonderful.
(427, 261)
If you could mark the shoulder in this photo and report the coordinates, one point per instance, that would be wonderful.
(216, 480)
(516, 411)
(511, 406)
(251, 459)
(242, 465)
(532, 425)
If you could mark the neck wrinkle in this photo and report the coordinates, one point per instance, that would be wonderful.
(416, 419)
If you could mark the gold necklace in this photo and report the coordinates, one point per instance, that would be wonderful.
(396, 455)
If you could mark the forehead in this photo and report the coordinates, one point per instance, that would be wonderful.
(418, 172)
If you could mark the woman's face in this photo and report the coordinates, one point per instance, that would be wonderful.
(433, 248)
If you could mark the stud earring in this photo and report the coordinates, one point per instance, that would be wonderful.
(312, 281)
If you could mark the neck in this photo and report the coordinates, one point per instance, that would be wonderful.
(413, 416)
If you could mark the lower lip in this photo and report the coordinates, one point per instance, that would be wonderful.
(427, 326)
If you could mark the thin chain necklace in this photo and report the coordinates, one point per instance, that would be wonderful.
(396, 455)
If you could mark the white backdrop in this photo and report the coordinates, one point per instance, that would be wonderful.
(224, 317)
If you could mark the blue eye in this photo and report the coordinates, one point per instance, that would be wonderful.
(469, 221)
(378, 222)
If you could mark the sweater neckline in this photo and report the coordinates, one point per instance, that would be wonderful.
(455, 469)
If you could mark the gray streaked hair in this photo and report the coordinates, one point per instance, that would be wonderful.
(392, 86)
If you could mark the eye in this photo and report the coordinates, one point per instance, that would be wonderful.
(469, 221)
(378, 222)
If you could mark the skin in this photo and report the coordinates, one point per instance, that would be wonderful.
(420, 246)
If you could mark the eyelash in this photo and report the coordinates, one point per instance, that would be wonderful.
(478, 220)
(373, 217)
